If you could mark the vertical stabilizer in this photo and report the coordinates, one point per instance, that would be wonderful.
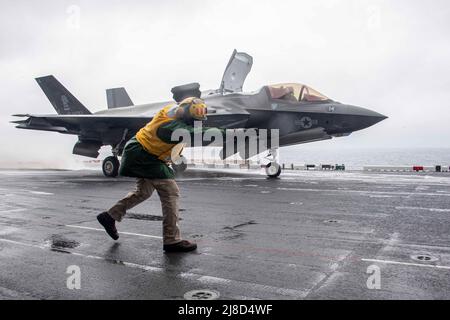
(118, 98)
(61, 99)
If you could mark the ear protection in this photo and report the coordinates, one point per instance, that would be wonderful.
(195, 108)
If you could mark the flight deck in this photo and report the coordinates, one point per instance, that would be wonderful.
(306, 235)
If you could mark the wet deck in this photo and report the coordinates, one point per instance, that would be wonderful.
(308, 235)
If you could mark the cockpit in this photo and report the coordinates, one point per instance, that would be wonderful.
(295, 92)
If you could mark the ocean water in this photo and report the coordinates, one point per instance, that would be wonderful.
(353, 158)
(356, 158)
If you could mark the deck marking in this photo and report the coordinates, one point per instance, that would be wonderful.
(367, 192)
(204, 279)
(103, 230)
(13, 210)
(41, 192)
(422, 208)
(23, 244)
(209, 280)
(118, 262)
(407, 264)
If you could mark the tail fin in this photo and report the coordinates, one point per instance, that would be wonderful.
(61, 99)
(117, 98)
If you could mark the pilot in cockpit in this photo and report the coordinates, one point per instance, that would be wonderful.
(289, 95)
(283, 93)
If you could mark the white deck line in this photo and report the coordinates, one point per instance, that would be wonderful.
(103, 230)
(201, 278)
(407, 264)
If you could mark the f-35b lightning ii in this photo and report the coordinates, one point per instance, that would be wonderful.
(301, 114)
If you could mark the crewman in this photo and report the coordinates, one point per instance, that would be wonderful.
(147, 157)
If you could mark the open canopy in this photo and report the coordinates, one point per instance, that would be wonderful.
(295, 92)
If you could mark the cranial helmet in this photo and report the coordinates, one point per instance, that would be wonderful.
(194, 108)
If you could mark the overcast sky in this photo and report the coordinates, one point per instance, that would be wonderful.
(389, 56)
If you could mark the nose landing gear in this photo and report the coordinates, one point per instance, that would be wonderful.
(273, 168)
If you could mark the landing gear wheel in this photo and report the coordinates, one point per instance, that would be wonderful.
(180, 166)
(273, 170)
(111, 166)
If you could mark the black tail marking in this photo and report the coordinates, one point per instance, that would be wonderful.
(61, 99)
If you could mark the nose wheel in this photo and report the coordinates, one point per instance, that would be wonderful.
(111, 166)
(273, 170)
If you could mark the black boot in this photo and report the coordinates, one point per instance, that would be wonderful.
(109, 224)
(183, 246)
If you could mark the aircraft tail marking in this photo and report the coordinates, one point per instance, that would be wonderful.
(61, 99)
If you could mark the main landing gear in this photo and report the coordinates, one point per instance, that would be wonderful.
(273, 169)
(180, 166)
(111, 166)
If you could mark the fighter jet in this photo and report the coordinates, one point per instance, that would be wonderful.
(300, 113)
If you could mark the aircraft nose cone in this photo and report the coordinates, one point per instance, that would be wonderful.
(371, 117)
(362, 118)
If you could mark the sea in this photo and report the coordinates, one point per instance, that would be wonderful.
(354, 158)
(357, 158)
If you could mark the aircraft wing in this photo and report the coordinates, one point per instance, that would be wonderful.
(95, 130)
(229, 116)
(92, 130)
(77, 124)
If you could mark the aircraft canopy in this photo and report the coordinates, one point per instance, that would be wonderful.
(295, 92)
